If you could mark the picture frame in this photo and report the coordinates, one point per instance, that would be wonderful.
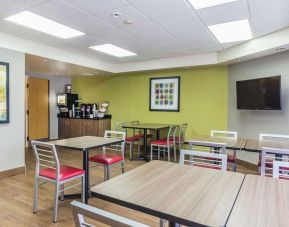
(4, 93)
(165, 94)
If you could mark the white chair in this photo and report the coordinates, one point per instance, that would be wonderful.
(166, 144)
(232, 158)
(281, 170)
(107, 160)
(200, 155)
(48, 169)
(130, 141)
(80, 210)
(273, 137)
(180, 139)
(269, 155)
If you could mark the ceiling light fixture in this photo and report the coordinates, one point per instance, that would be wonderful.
(200, 4)
(128, 21)
(43, 24)
(116, 14)
(113, 50)
(232, 31)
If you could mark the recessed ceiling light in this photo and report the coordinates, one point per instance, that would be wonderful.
(232, 31)
(116, 14)
(128, 21)
(113, 50)
(200, 4)
(43, 24)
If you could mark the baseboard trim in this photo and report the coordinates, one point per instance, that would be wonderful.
(12, 172)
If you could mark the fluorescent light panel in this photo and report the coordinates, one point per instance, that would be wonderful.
(113, 50)
(200, 4)
(43, 24)
(232, 31)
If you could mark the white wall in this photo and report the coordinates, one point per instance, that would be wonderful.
(56, 85)
(249, 123)
(12, 135)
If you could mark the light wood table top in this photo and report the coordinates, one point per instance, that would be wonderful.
(85, 142)
(262, 201)
(256, 145)
(179, 193)
(234, 144)
(152, 126)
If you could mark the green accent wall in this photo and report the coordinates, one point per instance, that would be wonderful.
(203, 100)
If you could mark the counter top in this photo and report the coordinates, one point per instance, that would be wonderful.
(105, 117)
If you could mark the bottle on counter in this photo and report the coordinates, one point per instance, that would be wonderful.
(73, 110)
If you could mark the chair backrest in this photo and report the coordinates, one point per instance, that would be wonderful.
(182, 131)
(172, 133)
(204, 159)
(45, 157)
(118, 126)
(264, 136)
(268, 156)
(205, 146)
(115, 147)
(134, 130)
(227, 134)
(281, 169)
(81, 210)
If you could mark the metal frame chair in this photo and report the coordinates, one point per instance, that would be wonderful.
(281, 170)
(228, 134)
(180, 139)
(165, 144)
(48, 169)
(79, 210)
(268, 156)
(200, 155)
(108, 160)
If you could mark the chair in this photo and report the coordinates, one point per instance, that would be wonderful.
(165, 144)
(273, 137)
(79, 210)
(180, 139)
(130, 141)
(281, 170)
(107, 160)
(232, 158)
(269, 155)
(200, 155)
(49, 170)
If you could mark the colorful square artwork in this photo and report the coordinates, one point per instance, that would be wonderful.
(4, 87)
(164, 94)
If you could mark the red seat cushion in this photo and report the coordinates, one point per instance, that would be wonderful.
(162, 142)
(231, 158)
(105, 159)
(66, 172)
(131, 139)
(178, 139)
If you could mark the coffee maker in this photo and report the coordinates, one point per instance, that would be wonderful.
(66, 102)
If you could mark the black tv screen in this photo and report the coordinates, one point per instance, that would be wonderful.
(259, 94)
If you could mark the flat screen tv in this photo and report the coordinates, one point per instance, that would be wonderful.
(259, 94)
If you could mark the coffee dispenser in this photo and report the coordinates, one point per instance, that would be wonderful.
(65, 102)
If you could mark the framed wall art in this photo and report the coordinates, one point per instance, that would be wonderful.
(4, 93)
(165, 94)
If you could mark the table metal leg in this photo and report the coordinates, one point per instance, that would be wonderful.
(145, 144)
(86, 169)
(158, 134)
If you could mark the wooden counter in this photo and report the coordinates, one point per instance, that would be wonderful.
(73, 127)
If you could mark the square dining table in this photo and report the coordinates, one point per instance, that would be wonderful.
(262, 202)
(255, 145)
(84, 144)
(182, 194)
(145, 127)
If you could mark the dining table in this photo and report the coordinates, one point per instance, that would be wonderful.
(145, 127)
(181, 194)
(84, 144)
(255, 145)
(262, 202)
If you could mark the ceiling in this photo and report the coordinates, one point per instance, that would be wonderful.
(44, 66)
(161, 28)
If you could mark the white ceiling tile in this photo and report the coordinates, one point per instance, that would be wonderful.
(269, 16)
(7, 9)
(85, 41)
(12, 29)
(224, 13)
(59, 11)
(160, 8)
(127, 13)
(26, 4)
(96, 6)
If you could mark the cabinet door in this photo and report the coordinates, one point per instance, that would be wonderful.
(90, 127)
(63, 128)
(75, 127)
(104, 124)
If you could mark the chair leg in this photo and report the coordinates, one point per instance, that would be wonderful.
(55, 208)
(83, 189)
(138, 149)
(62, 192)
(169, 155)
(105, 173)
(130, 150)
(151, 152)
(108, 172)
(122, 167)
(234, 167)
(175, 153)
(36, 187)
(158, 152)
